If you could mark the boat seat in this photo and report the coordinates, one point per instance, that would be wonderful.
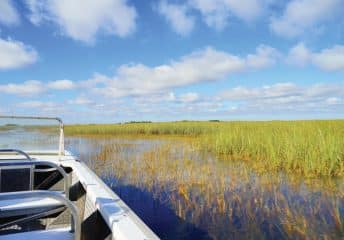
(27, 206)
(53, 234)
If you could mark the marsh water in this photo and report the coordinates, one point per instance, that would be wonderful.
(182, 192)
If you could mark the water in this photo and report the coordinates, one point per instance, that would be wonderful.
(182, 192)
(25, 138)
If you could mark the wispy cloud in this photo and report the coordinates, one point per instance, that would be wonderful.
(189, 97)
(61, 85)
(286, 96)
(45, 108)
(289, 19)
(81, 100)
(33, 87)
(27, 88)
(8, 13)
(177, 16)
(37, 104)
(216, 13)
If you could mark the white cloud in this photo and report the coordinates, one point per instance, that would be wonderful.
(44, 107)
(177, 16)
(200, 66)
(265, 56)
(276, 90)
(284, 96)
(299, 55)
(81, 100)
(34, 87)
(61, 85)
(300, 16)
(217, 12)
(8, 13)
(330, 59)
(156, 98)
(333, 100)
(15, 54)
(189, 97)
(83, 19)
(37, 104)
(28, 88)
(37, 11)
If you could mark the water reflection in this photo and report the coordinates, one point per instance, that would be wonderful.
(182, 192)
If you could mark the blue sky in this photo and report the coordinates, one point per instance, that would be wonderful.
(118, 60)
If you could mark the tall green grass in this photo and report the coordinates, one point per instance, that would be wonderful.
(310, 148)
(163, 128)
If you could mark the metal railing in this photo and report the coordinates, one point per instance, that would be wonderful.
(76, 221)
(61, 150)
(41, 163)
(16, 151)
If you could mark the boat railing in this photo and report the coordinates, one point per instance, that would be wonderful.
(76, 220)
(61, 149)
(17, 151)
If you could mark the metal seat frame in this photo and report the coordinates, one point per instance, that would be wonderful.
(76, 221)
(32, 163)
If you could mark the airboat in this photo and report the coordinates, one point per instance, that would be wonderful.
(51, 194)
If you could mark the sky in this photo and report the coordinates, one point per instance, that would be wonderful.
(107, 61)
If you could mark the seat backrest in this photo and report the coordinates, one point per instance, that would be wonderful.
(15, 179)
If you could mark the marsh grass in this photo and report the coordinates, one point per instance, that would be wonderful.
(308, 148)
(228, 200)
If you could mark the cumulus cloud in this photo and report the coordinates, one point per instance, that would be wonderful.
(301, 16)
(200, 66)
(8, 13)
(15, 54)
(329, 59)
(177, 16)
(82, 20)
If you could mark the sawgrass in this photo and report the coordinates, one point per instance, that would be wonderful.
(308, 148)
